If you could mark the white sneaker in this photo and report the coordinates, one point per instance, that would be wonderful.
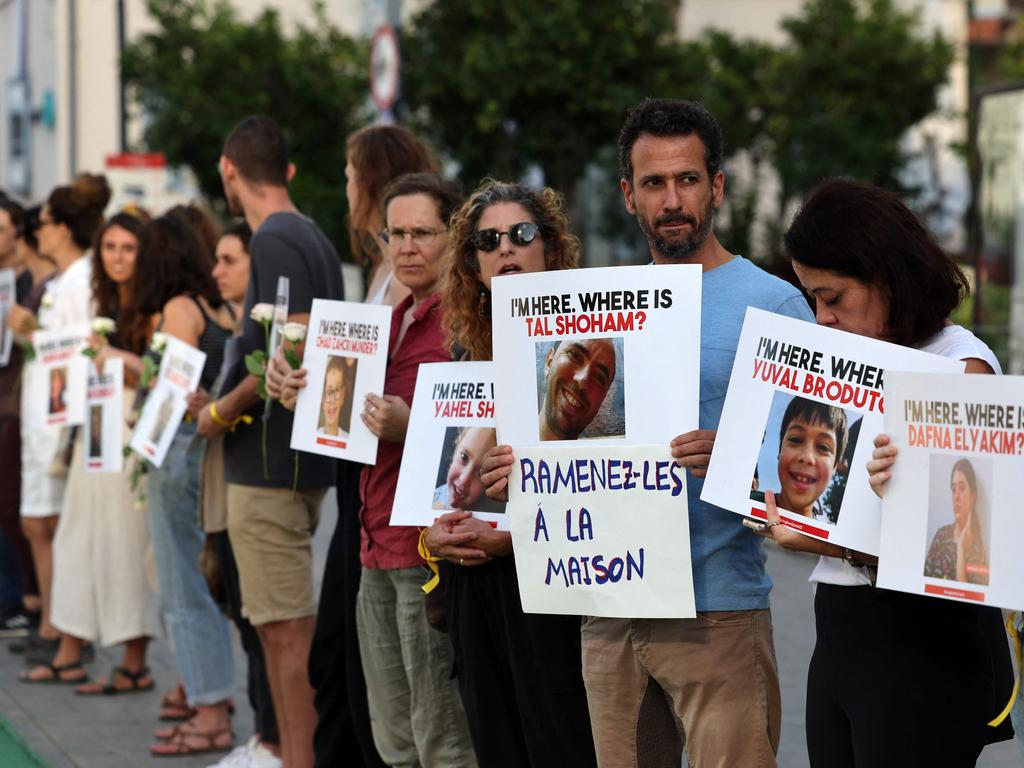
(261, 757)
(239, 757)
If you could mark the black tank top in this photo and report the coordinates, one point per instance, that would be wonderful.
(212, 343)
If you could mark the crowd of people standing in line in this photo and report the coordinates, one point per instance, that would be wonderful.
(377, 673)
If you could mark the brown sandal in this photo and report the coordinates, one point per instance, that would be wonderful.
(222, 740)
(137, 683)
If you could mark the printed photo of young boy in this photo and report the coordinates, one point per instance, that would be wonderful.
(805, 456)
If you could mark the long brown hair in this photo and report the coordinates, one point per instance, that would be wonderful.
(380, 154)
(467, 303)
(132, 325)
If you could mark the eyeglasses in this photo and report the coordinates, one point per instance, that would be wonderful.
(395, 236)
(523, 233)
(333, 393)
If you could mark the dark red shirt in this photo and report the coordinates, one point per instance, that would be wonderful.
(384, 547)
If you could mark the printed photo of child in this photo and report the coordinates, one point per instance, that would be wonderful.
(805, 456)
(458, 474)
(335, 416)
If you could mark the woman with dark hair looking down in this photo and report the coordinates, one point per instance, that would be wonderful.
(877, 695)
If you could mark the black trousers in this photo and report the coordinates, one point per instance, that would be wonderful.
(520, 675)
(343, 736)
(903, 680)
(10, 503)
(259, 686)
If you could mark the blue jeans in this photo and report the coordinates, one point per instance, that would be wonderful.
(199, 632)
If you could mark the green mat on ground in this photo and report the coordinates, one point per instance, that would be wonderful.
(13, 751)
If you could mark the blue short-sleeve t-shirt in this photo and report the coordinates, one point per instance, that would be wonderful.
(728, 560)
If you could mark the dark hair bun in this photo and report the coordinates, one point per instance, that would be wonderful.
(90, 192)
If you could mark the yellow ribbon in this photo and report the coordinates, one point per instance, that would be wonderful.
(1011, 627)
(432, 561)
(228, 425)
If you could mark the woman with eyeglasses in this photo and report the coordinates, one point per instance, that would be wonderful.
(415, 712)
(519, 674)
(895, 678)
(67, 223)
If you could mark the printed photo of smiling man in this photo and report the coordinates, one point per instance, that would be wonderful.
(805, 456)
(581, 389)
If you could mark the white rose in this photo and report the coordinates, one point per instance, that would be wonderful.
(159, 342)
(47, 301)
(294, 332)
(103, 326)
(262, 313)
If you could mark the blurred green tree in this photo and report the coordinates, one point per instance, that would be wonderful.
(854, 76)
(501, 86)
(203, 69)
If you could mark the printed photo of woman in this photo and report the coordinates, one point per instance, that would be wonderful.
(958, 551)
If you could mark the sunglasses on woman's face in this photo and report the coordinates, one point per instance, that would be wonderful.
(523, 233)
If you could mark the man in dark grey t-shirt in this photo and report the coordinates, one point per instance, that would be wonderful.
(271, 527)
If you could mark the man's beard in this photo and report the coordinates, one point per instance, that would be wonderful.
(234, 203)
(685, 248)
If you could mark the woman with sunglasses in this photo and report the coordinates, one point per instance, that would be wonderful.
(67, 223)
(519, 674)
(895, 679)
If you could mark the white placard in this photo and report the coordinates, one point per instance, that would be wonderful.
(803, 407)
(451, 427)
(345, 359)
(180, 369)
(7, 300)
(951, 519)
(609, 355)
(60, 352)
(104, 422)
(601, 531)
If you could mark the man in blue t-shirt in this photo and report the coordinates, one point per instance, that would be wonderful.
(717, 671)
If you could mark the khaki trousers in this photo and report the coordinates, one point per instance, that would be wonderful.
(719, 678)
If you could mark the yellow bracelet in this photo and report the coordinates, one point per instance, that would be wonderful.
(228, 425)
(432, 561)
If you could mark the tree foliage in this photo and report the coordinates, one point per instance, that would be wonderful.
(204, 68)
(851, 81)
(500, 86)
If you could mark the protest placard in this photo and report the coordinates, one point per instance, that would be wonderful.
(803, 406)
(180, 369)
(104, 423)
(601, 531)
(345, 359)
(65, 368)
(451, 427)
(7, 300)
(951, 522)
(610, 355)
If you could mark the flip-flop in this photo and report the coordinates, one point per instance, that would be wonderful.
(56, 671)
(222, 740)
(108, 687)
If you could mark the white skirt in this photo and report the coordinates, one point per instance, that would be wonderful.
(100, 589)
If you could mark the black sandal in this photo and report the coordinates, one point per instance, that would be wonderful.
(109, 688)
(56, 674)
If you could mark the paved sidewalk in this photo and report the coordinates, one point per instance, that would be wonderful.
(67, 731)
